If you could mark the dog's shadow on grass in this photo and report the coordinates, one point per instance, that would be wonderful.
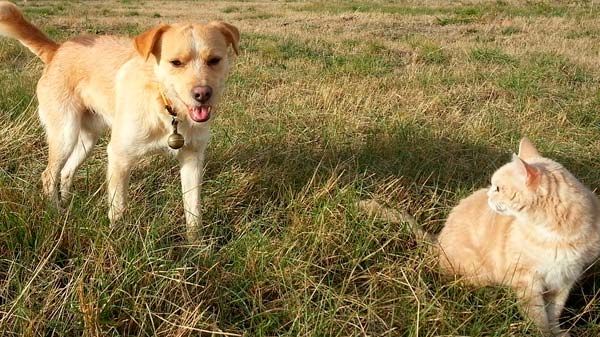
(407, 151)
(282, 170)
(410, 152)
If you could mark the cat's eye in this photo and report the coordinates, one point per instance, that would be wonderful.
(496, 188)
(176, 63)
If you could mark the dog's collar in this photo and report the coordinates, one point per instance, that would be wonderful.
(166, 102)
(175, 140)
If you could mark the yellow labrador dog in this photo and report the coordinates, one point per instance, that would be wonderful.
(166, 80)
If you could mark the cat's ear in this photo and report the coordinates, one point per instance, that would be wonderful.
(529, 172)
(527, 150)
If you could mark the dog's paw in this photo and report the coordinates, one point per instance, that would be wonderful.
(194, 236)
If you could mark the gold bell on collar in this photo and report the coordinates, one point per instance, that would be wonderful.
(175, 140)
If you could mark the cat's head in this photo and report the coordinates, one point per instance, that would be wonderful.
(517, 185)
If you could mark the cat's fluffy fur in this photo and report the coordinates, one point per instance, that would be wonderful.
(535, 229)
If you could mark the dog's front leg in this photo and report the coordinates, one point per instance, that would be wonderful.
(119, 169)
(192, 170)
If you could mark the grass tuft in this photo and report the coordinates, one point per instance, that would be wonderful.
(491, 55)
(510, 30)
(432, 53)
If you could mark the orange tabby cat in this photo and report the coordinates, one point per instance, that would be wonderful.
(535, 229)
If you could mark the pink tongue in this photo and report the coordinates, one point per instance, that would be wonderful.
(200, 113)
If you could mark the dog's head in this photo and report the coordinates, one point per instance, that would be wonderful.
(191, 62)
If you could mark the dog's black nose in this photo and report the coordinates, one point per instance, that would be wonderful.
(202, 93)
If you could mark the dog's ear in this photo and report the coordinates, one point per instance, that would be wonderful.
(232, 34)
(145, 43)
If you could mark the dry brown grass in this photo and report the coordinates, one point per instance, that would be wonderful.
(413, 103)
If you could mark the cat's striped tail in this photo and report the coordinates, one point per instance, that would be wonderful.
(14, 25)
(377, 210)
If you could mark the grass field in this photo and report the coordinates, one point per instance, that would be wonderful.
(414, 103)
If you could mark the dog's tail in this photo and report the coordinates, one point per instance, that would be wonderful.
(14, 25)
(377, 210)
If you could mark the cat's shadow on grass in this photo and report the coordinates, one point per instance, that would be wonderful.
(579, 310)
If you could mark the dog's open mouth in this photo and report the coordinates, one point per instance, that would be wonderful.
(200, 113)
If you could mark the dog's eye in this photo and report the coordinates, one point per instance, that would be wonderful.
(176, 63)
(497, 188)
(213, 61)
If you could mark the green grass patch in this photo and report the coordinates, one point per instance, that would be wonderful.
(455, 13)
(538, 8)
(545, 74)
(237, 9)
(491, 55)
(583, 33)
(364, 7)
(432, 53)
(461, 15)
(43, 10)
(370, 58)
(511, 30)
(257, 16)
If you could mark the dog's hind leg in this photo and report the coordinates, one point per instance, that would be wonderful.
(62, 131)
(83, 147)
